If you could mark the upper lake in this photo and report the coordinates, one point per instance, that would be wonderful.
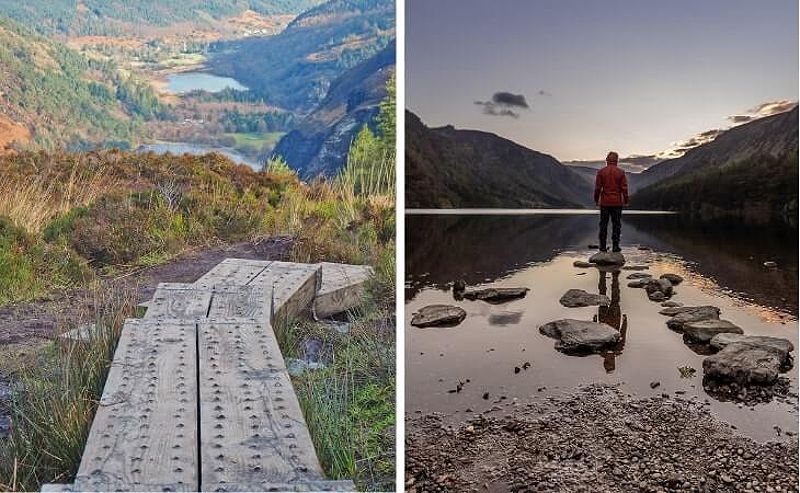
(192, 81)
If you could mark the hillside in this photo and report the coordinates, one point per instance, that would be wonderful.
(770, 136)
(295, 69)
(119, 17)
(452, 168)
(320, 142)
(62, 99)
(749, 171)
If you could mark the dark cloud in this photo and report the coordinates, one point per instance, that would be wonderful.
(504, 104)
(510, 100)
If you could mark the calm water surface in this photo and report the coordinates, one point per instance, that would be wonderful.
(191, 81)
(179, 148)
(721, 262)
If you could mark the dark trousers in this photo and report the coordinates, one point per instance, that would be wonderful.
(615, 213)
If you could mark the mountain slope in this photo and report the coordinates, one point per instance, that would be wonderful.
(63, 99)
(449, 168)
(320, 142)
(295, 68)
(770, 136)
(116, 17)
(749, 171)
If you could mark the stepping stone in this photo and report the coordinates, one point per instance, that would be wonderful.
(495, 295)
(673, 304)
(704, 330)
(683, 314)
(745, 363)
(639, 283)
(579, 335)
(783, 346)
(575, 298)
(582, 264)
(639, 275)
(675, 279)
(438, 315)
(607, 258)
(635, 267)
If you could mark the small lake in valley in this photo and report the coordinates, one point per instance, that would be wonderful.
(179, 148)
(722, 263)
(184, 82)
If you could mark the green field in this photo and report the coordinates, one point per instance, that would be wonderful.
(255, 140)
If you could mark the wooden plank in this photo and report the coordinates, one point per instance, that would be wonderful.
(231, 271)
(251, 427)
(300, 485)
(293, 286)
(243, 302)
(144, 433)
(342, 288)
(178, 301)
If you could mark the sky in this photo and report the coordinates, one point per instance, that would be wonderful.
(577, 78)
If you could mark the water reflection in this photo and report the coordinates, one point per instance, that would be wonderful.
(612, 315)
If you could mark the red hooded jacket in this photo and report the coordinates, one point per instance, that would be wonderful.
(611, 186)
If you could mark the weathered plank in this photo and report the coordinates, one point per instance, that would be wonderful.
(342, 288)
(252, 429)
(144, 433)
(299, 485)
(242, 302)
(178, 301)
(231, 271)
(293, 287)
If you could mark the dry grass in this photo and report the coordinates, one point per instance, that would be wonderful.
(32, 202)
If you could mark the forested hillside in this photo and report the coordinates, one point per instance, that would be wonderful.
(295, 69)
(64, 99)
(117, 17)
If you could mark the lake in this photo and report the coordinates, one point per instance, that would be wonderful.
(722, 263)
(179, 148)
(184, 82)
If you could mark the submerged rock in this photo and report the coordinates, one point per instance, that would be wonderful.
(744, 363)
(703, 331)
(639, 275)
(607, 258)
(438, 315)
(782, 346)
(578, 297)
(495, 295)
(674, 279)
(582, 264)
(683, 314)
(635, 267)
(579, 335)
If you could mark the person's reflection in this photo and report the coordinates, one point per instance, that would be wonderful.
(612, 315)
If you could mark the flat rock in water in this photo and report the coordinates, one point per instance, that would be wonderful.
(639, 283)
(639, 275)
(635, 267)
(683, 314)
(656, 296)
(744, 363)
(783, 346)
(579, 335)
(672, 304)
(495, 295)
(578, 297)
(607, 258)
(437, 315)
(703, 331)
(675, 279)
(582, 264)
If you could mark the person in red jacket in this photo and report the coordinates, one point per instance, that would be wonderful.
(611, 194)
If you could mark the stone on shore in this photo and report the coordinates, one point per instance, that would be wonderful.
(703, 331)
(495, 295)
(744, 363)
(438, 315)
(675, 279)
(579, 335)
(607, 258)
(578, 297)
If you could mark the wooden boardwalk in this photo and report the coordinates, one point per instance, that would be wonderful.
(198, 397)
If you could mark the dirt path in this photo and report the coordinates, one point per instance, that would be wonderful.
(596, 439)
(30, 323)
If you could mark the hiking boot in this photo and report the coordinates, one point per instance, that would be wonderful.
(616, 249)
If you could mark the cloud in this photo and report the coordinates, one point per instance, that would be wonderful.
(764, 109)
(504, 104)
(632, 164)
